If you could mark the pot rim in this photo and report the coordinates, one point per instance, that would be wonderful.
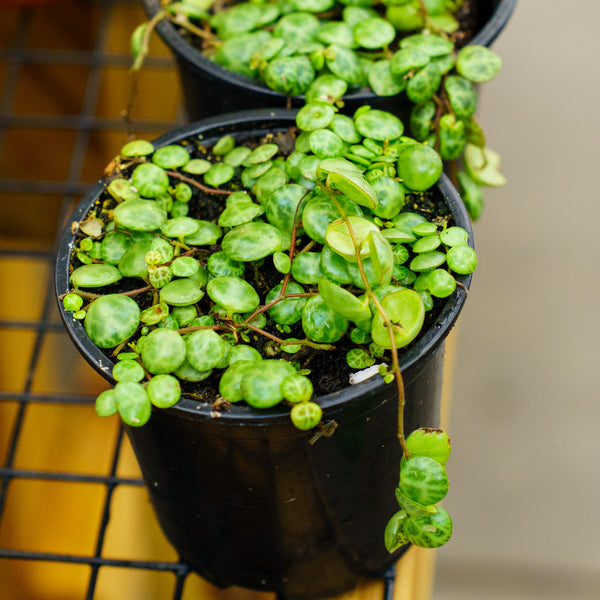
(185, 51)
(255, 121)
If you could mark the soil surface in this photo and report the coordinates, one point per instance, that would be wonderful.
(329, 369)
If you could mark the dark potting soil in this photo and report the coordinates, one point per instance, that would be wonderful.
(471, 18)
(329, 371)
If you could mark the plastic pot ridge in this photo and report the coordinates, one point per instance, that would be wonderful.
(243, 496)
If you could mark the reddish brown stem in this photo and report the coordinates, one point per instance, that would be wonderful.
(193, 182)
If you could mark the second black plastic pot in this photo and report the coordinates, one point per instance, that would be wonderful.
(209, 89)
(244, 497)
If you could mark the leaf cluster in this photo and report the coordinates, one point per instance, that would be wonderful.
(330, 220)
(325, 49)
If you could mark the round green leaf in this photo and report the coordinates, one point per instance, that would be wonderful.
(379, 125)
(325, 144)
(149, 180)
(408, 59)
(121, 189)
(163, 351)
(235, 54)
(181, 292)
(289, 310)
(429, 531)
(382, 257)
(394, 536)
(290, 75)
(432, 44)
(454, 236)
(140, 215)
(207, 234)
(111, 320)
(344, 127)
(452, 137)
(471, 194)
(233, 293)
(312, 6)
(374, 32)
(346, 239)
(218, 174)
(336, 32)
(137, 148)
(327, 87)
(297, 27)
(406, 313)
(197, 166)
(171, 157)
(306, 415)
(230, 384)
(344, 63)
(128, 370)
(383, 82)
(164, 391)
(320, 211)
(243, 352)
(344, 302)
(427, 261)
(205, 349)
(407, 17)
(261, 154)
(433, 443)
(419, 167)
(334, 266)
(462, 96)
(180, 227)
(424, 84)
(95, 275)
(185, 266)
(106, 403)
(306, 267)
(478, 63)
(297, 388)
(390, 197)
(252, 241)
(321, 323)
(315, 115)
(261, 382)
(353, 185)
(133, 403)
(462, 259)
(423, 480)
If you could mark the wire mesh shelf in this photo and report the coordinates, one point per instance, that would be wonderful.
(74, 519)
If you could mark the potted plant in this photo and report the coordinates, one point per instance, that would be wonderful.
(228, 278)
(423, 60)
(218, 75)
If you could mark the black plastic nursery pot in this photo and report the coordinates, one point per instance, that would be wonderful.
(210, 89)
(244, 497)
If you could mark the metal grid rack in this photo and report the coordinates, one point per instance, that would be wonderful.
(74, 520)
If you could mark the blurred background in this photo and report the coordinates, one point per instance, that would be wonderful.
(524, 408)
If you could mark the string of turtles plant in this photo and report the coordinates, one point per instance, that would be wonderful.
(340, 217)
(327, 48)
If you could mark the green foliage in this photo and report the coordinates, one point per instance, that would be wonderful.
(422, 484)
(408, 48)
(304, 254)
